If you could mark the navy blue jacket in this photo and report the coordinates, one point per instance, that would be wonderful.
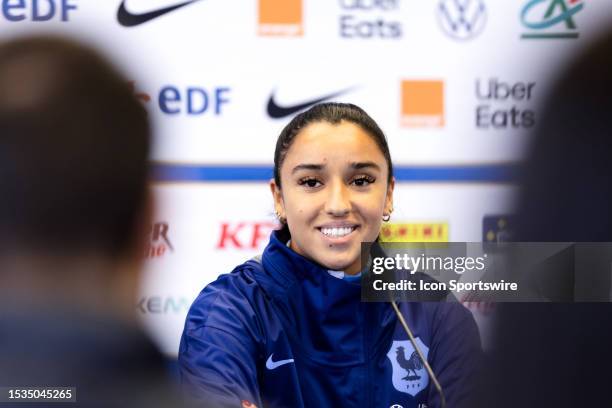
(283, 332)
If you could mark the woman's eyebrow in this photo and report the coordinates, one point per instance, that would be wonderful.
(364, 165)
(307, 166)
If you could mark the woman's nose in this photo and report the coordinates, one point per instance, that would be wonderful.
(338, 201)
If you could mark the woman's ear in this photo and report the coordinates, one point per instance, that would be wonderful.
(279, 205)
(389, 197)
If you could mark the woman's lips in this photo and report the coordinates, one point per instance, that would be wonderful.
(338, 234)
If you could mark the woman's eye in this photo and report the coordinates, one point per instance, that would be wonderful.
(310, 182)
(363, 181)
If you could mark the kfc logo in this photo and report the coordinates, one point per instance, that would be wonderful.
(245, 235)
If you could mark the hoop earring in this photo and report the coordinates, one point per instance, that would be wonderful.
(386, 217)
(279, 218)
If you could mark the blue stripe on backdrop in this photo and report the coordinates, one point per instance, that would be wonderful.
(211, 173)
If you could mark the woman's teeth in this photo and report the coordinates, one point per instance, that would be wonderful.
(337, 232)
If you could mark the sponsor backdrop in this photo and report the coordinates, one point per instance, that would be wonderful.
(455, 85)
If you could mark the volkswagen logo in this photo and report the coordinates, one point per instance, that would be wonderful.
(462, 19)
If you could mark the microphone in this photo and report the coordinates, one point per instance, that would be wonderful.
(433, 377)
(375, 249)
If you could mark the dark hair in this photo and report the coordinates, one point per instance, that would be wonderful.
(334, 113)
(74, 145)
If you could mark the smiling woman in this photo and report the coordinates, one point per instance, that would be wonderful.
(337, 185)
(288, 329)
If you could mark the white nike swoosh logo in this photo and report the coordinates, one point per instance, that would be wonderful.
(271, 365)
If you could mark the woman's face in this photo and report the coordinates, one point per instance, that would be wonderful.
(334, 193)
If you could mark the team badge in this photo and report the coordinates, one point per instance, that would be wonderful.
(409, 373)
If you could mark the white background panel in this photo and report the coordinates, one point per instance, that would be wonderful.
(215, 43)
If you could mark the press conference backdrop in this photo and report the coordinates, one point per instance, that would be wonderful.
(455, 85)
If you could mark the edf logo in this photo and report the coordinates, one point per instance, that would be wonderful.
(37, 10)
(193, 100)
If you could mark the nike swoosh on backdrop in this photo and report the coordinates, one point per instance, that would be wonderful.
(127, 19)
(271, 365)
(275, 111)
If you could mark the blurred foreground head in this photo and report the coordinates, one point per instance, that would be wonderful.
(74, 143)
(566, 188)
(557, 354)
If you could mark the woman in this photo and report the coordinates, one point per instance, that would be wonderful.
(289, 329)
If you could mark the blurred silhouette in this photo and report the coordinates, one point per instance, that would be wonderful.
(557, 354)
(74, 145)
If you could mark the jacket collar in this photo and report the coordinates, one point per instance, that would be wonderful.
(290, 268)
(325, 314)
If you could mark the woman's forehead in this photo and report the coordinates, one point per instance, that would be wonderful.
(326, 142)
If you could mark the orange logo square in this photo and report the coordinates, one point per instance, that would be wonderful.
(422, 103)
(280, 17)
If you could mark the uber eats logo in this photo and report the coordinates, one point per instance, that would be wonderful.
(504, 105)
(370, 19)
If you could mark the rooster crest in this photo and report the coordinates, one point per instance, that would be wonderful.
(409, 374)
(411, 364)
